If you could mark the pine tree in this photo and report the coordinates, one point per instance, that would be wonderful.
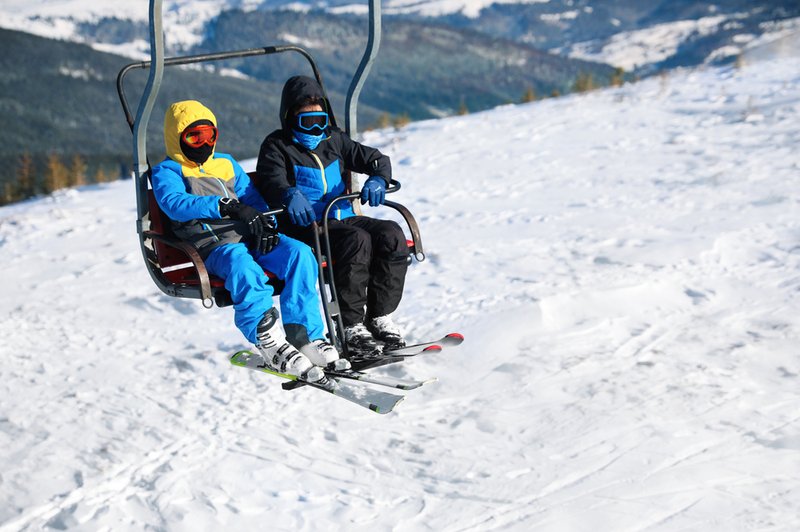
(101, 176)
(26, 183)
(584, 82)
(77, 172)
(56, 175)
(7, 194)
(384, 121)
(618, 77)
(402, 120)
(462, 108)
(529, 96)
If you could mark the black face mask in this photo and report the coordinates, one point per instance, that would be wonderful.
(197, 155)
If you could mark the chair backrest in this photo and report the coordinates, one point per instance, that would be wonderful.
(174, 263)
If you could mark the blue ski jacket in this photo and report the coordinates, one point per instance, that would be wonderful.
(189, 192)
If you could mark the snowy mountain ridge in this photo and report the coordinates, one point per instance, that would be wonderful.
(186, 19)
(584, 29)
(624, 264)
(88, 10)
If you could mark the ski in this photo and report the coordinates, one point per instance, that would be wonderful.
(448, 340)
(362, 363)
(375, 400)
(394, 356)
(379, 353)
(391, 382)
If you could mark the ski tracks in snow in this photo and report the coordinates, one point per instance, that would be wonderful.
(624, 266)
(643, 309)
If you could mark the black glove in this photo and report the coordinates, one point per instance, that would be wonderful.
(262, 228)
(269, 235)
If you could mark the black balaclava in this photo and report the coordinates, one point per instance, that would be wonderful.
(201, 154)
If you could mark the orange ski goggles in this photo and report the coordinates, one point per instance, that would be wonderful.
(196, 136)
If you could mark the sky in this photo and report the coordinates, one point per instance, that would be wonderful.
(625, 268)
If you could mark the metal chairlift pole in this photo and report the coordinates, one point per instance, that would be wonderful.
(370, 53)
(140, 164)
(331, 304)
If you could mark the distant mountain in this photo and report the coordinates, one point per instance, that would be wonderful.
(423, 69)
(639, 36)
(59, 98)
(437, 58)
(642, 37)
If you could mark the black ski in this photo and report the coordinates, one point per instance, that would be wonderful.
(448, 340)
(399, 355)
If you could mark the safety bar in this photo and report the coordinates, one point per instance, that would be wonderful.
(413, 227)
(204, 58)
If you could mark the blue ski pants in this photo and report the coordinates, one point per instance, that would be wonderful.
(243, 272)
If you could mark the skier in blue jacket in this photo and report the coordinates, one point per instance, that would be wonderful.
(300, 166)
(213, 205)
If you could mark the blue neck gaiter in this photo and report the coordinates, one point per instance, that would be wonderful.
(309, 141)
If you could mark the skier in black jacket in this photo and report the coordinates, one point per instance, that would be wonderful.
(300, 166)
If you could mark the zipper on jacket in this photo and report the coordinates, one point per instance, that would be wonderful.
(211, 230)
(224, 188)
(218, 180)
(322, 170)
(325, 182)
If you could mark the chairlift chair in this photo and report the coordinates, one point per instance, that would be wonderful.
(175, 266)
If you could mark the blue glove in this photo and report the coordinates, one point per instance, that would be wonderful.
(297, 206)
(374, 191)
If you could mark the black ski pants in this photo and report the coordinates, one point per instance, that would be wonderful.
(370, 260)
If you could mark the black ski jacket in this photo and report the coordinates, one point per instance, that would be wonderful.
(283, 163)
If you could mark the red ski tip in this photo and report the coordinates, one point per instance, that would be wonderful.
(432, 348)
(456, 335)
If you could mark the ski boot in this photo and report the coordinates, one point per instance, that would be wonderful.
(279, 354)
(361, 343)
(385, 330)
(321, 353)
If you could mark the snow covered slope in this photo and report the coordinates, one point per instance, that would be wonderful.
(651, 45)
(625, 266)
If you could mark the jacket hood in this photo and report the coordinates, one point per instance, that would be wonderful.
(179, 115)
(296, 90)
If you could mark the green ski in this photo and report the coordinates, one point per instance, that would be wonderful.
(375, 400)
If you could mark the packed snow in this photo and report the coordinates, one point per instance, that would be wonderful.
(624, 264)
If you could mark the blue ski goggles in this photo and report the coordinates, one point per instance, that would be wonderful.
(314, 120)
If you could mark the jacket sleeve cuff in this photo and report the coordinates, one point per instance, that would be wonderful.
(386, 180)
(287, 194)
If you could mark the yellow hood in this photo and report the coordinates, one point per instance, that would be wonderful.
(178, 117)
